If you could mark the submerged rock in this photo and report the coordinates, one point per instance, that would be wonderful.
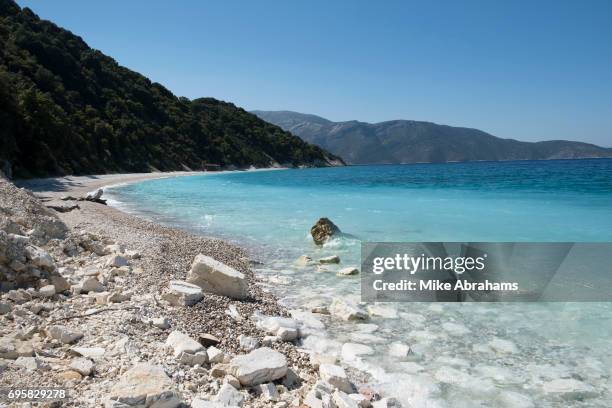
(323, 230)
(336, 376)
(347, 311)
(350, 271)
(333, 259)
(216, 277)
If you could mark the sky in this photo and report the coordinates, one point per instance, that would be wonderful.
(527, 70)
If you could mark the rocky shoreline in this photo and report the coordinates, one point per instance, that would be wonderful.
(124, 312)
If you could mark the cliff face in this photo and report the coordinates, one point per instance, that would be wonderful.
(68, 109)
(406, 141)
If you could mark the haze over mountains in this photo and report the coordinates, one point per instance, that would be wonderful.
(408, 141)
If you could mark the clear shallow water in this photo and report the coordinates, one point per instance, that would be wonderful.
(455, 362)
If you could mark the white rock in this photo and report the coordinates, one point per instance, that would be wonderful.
(455, 329)
(317, 359)
(268, 392)
(39, 257)
(145, 385)
(334, 259)
(89, 352)
(83, 366)
(29, 363)
(399, 350)
(182, 343)
(386, 312)
(183, 293)
(503, 346)
(351, 351)
(216, 277)
(229, 396)
(161, 322)
(569, 388)
(64, 334)
(342, 400)
(91, 284)
(336, 376)
(199, 358)
(215, 355)
(248, 343)
(259, 366)
(287, 334)
(116, 261)
(350, 271)
(347, 311)
(511, 399)
(47, 291)
(233, 381)
(114, 249)
(303, 260)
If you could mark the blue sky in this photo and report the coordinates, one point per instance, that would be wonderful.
(529, 70)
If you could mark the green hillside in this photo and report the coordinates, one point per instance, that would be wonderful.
(66, 108)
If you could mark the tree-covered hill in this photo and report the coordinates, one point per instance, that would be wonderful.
(66, 108)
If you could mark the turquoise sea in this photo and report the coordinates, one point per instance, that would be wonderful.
(463, 355)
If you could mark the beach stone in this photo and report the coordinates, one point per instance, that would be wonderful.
(91, 285)
(259, 366)
(285, 328)
(349, 271)
(347, 311)
(219, 370)
(334, 259)
(215, 355)
(229, 396)
(114, 249)
(323, 230)
(199, 358)
(29, 363)
(336, 376)
(47, 291)
(83, 366)
(116, 261)
(387, 312)
(216, 277)
(317, 359)
(342, 400)
(89, 352)
(161, 323)
(303, 260)
(12, 348)
(248, 343)
(64, 334)
(268, 392)
(183, 293)
(569, 388)
(145, 385)
(39, 257)
(207, 339)
(61, 284)
(182, 343)
(233, 381)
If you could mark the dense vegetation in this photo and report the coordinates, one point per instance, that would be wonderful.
(68, 109)
(408, 141)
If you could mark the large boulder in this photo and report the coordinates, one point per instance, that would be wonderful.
(259, 366)
(145, 386)
(323, 230)
(216, 277)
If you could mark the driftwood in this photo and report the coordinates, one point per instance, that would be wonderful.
(95, 312)
(64, 209)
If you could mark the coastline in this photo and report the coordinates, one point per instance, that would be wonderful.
(164, 254)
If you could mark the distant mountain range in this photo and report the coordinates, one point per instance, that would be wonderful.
(408, 141)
